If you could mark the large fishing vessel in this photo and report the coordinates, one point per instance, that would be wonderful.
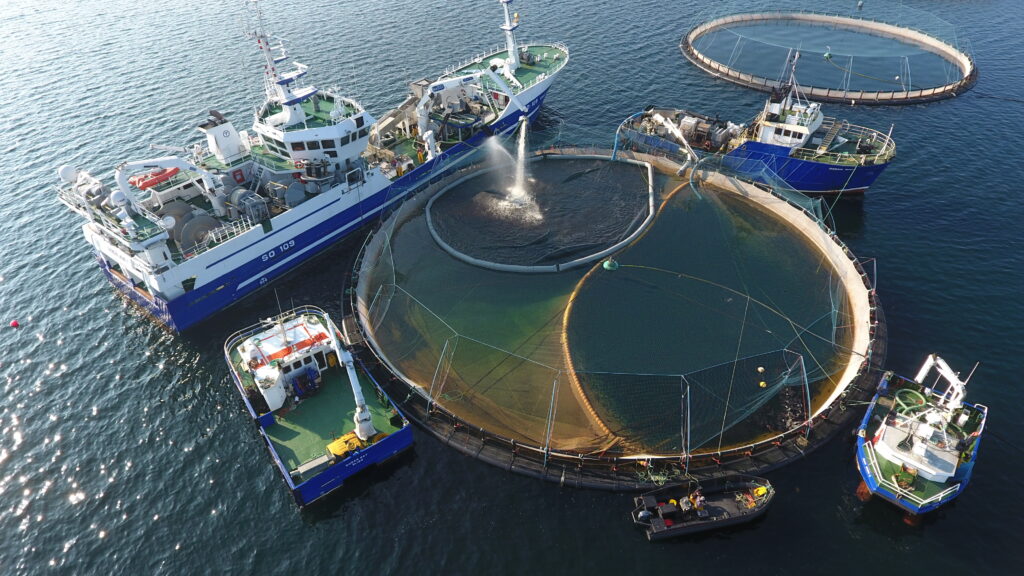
(322, 416)
(790, 139)
(918, 441)
(186, 235)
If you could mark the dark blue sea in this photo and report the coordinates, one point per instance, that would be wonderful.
(124, 449)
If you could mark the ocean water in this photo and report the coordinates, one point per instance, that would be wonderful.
(124, 448)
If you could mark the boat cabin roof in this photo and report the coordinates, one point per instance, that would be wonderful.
(287, 342)
(930, 451)
(317, 116)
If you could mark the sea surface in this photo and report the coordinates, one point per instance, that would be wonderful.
(124, 449)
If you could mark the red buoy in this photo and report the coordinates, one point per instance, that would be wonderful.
(912, 519)
(863, 493)
(14, 324)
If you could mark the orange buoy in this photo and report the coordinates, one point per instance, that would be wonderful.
(14, 324)
(863, 494)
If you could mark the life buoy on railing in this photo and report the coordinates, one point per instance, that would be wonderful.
(300, 164)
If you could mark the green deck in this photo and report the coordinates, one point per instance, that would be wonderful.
(303, 433)
(211, 163)
(405, 146)
(921, 488)
(527, 75)
(315, 118)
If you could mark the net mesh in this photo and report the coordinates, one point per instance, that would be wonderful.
(851, 56)
(716, 329)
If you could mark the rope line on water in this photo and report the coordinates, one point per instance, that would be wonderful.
(771, 309)
(908, 86)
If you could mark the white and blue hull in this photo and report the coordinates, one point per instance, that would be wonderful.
(231, 271)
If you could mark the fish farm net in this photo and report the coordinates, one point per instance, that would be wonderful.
(868, 52)
(480, 219)
(715, 328)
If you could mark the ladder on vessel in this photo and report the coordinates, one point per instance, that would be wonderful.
(490, 101)
(831, 135)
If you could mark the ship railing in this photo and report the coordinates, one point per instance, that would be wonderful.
(903, 493)
(886, 153)
(220, 235)
(481, 57)
(233, 340)
(77, 202)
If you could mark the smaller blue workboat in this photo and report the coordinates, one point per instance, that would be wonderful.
(323, 417)
(789, 140)
(918, 442)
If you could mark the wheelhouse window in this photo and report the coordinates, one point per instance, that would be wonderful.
(359, 121)
(314, 145)
(298, 146)
(325, 144)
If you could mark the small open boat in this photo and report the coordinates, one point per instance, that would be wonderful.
(693, 506)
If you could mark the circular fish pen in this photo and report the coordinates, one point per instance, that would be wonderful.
(724, 335)
(877, 54)
(474, 220)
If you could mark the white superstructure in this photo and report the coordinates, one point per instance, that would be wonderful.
(186, 235)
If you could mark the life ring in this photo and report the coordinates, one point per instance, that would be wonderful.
(300, 164)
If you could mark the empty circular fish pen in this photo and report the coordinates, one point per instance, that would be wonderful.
(875, 53)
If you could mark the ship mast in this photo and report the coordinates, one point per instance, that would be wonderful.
(279, 87)
(510, 25)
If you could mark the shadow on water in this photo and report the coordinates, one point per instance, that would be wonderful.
(848, 215)
(335, 504)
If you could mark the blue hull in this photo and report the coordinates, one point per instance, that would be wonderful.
(803, 175)
(874, 484)
(334, 477)
(193, 307)
(877, 489)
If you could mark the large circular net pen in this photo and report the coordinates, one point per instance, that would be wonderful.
(875, 53)
(718, 326)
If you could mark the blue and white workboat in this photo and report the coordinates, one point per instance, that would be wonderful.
(918, 442)
(186, 235)
(790, 139)
(322, 416)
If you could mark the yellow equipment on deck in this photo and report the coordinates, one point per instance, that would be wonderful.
(348, 443)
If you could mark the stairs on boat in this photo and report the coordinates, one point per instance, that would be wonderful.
(831, 135)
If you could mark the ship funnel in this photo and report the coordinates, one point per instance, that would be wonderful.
(222, 138)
